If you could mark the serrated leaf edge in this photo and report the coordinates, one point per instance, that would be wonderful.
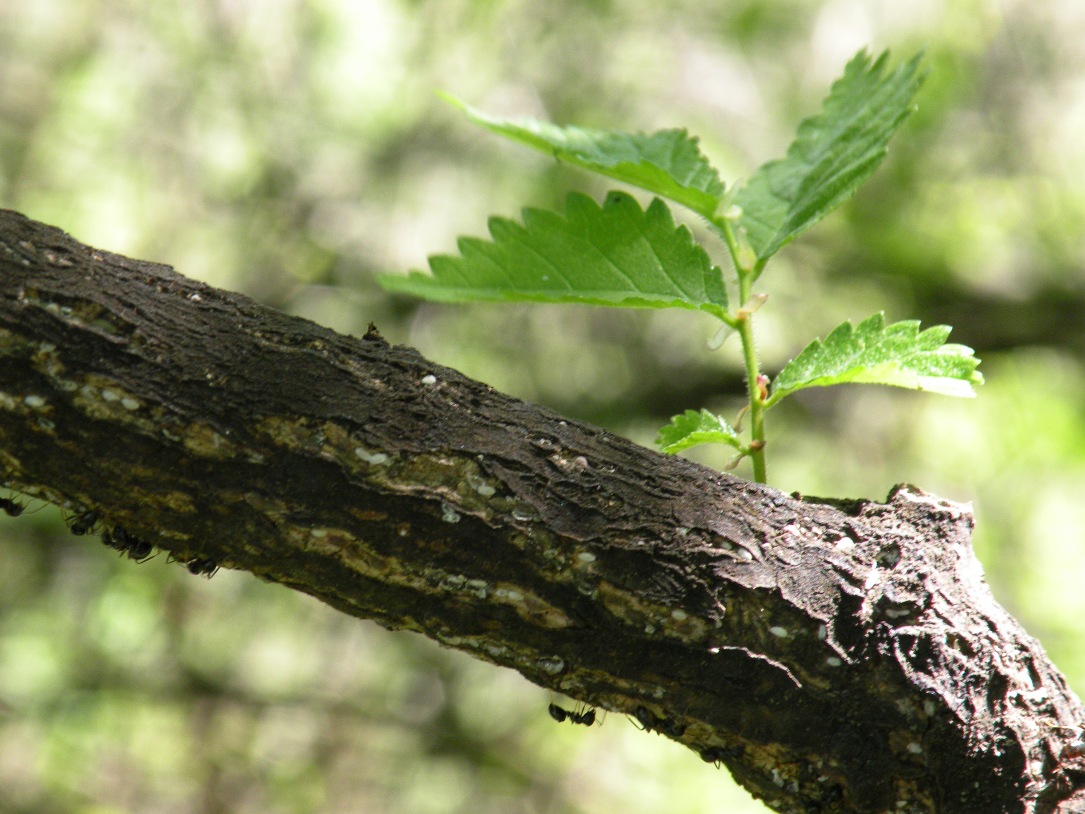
(892, 372)
(723, 434)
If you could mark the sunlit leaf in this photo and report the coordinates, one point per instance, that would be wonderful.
(833, 153)
(692, 428)
(617, 254)
(667, 162)
(875, 353)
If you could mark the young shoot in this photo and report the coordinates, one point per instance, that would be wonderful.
(620, 254)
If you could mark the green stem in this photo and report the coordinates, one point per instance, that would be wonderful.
(747, 269)
(757, 404)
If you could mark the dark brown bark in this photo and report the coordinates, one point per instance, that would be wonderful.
(836, 657)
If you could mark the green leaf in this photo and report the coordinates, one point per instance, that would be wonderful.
(667, 162)
(875, 353)
(833, 153)
(693, 428)
(617, 254)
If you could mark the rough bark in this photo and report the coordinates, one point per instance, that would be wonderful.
(835, 656)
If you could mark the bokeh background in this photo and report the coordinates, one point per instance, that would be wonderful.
(291, 150)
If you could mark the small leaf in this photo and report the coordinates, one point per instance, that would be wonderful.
(617, 254)
(667, 162)
(833, 153)
(875, 353)
(693, 428)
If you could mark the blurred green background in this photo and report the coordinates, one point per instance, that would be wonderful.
(292, 149)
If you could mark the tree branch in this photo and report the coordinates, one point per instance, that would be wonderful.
(842, 656)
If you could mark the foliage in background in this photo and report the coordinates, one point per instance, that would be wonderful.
(292, 150)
